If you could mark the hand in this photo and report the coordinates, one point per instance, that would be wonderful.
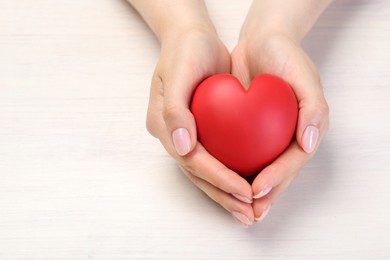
(276, 53)
(186, 59)
(191, 51)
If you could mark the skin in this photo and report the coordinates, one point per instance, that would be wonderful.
(191, 51)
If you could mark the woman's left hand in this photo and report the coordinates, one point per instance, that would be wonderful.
(277, 54)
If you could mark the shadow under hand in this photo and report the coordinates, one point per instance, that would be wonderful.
(310, 189)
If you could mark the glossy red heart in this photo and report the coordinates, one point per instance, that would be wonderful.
(245, 129)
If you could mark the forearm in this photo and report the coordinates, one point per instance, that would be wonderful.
(292, 18)
(167, 17)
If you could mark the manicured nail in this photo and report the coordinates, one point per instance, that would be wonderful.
(182, 141)
(240, 223)
(262, 193)
(241, 219)
(242, 198)
(263, 215)
(310, 138)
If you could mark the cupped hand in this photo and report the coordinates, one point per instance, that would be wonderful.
(187, 58)
(279, 54)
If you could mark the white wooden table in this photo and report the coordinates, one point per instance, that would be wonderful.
(80, 178)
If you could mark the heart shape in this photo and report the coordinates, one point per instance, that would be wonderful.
(245, 129)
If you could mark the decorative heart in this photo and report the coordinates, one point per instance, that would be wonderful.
(245, 129)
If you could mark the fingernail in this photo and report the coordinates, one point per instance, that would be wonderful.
(262, 193)
(241, 219)
(242, 198)
(240, 223)
(310, 138)
(263, 215)
(182, 141)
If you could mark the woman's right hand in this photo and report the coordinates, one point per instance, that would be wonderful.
(187, 57)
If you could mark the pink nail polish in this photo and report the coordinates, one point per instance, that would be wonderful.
(240, 223)
(262, 193)
(263, 215)
(310, 138)
(242, 198)
(241, 219)
(181, 141)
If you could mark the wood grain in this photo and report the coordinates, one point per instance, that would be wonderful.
(80, 178)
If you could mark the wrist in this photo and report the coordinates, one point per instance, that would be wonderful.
(182, 17)
(292, 19)
(170, 18)
(269, 25)
(171, 31)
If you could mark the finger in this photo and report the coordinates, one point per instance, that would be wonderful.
(200, 162)
(168, 112)
(300, 72)
(285, 167)
(241, 212)
(154, 121)
(179, 121)
(240, 66)
(179, 83)
(274, 179)
(313, 122)
(262, 206)
(313, 119)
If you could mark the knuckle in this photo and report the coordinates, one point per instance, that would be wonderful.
(150, 127)
(316, 74)
(170, 112)
(278, 167)
(220, 176)
(322, 112)
(222, 200)
(153, 121)
(195, 180)
(280, 170)
(217, 182)
(189, 166)
(151, 124)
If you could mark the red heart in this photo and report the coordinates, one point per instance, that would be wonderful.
(245, 129)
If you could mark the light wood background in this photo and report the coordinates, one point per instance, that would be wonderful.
(80, 177)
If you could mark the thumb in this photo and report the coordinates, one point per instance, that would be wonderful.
(179, 121)
(313, 122)
(313, 118)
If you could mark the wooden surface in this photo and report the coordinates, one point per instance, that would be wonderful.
(80, 178)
